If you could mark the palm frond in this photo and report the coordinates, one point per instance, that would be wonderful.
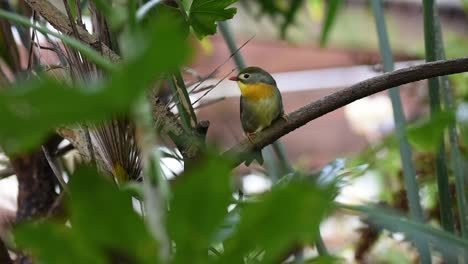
(115, 141)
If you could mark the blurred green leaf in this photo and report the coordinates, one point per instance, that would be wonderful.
(294, 7)
(325, 260)
(288, 215)
(168, 11)
(285, 10)
(34, 108)
(333, 7)
(133, 188)
(100, 213)
(115, 14)
(186, 4)
(54, 244)
(272, 8)
(204, 14)
(201, 197)
(229, 225)
(104, 227)
(427, 135)
(465, 5)
(73, 9)
(395, 222)
(462, 120)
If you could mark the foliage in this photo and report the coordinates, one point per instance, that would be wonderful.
(104, 226)
(32, 106)
(427, 134)
(286, 11)
(332, 11)
(204, 13)
(204, 220)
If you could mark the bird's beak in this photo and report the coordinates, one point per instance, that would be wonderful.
(233, 78)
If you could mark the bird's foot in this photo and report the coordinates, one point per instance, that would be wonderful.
(285, 117)
(250, 136)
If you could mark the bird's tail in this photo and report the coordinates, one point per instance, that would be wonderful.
(255, 155)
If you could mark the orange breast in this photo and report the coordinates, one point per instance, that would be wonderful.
(256, 91)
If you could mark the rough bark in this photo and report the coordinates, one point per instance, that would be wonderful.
(36, 185)
(4, 255)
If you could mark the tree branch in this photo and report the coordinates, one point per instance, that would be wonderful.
(60, 22)
(343, 97)
(36, 185)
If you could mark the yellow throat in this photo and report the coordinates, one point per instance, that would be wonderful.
(256, 91)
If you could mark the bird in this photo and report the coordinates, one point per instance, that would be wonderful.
(260, 103)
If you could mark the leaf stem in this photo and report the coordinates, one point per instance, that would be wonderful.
(430, 17)
(409, 172)
(453, 137)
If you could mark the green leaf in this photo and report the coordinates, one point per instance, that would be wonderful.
(427, 135)
(175, 14)
(326, 260)
(103, 216)
(115, 14)
(204, 14)
(104, 227)
(35, 108)
(199, 206)
(284, 217)
(54, 244)
(230, 222)
(73, 9)
(330, 17)
(186, 4)
(465, 5)
(133, 188)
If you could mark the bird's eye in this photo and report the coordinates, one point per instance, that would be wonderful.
(246, 75)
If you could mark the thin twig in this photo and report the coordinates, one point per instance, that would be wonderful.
(31, 46)
(6, 172)
(70, 18)
(209, 90)
(202, 89)
(44, 47)
(79, 19)
(207, 103)
(64, 150)
(194, 73)
(217, 68)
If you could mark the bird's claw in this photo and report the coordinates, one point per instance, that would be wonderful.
(285, 117)
(250, 136)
